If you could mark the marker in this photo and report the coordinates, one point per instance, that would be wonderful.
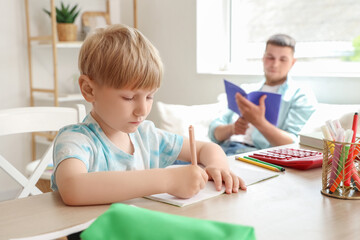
(337, 124)
(326, 133)
(260, 164)
(336, 156)
(327, 136)
(349, 162)
(329, 124)
(192, 145)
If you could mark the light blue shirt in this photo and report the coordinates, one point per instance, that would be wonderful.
(153, 148)
(297, 105)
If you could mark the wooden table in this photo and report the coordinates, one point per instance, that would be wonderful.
(289, 206)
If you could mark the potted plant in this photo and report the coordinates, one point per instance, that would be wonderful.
(65, 17)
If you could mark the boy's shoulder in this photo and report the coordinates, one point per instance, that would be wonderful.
(78, 127)
(79, 130)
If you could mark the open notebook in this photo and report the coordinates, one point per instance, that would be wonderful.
(250, 177)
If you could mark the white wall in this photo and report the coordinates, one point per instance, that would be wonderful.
(14, 75)
(14, 80)
(171, 26)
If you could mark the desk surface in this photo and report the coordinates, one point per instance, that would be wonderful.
(289, 206)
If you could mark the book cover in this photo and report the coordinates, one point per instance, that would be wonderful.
(272, 102)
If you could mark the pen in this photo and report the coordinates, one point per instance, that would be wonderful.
(192, 145)
(259, 164)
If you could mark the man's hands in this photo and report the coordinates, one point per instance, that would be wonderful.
(254, 114)
(240, 126)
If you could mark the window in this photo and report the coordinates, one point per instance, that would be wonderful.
(326, 33)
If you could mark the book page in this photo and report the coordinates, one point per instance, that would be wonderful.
(250, 177)
(208, 192)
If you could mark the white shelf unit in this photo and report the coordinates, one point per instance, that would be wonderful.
(59, 45)
(48, 96)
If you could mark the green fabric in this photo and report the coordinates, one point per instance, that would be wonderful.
(122, 221)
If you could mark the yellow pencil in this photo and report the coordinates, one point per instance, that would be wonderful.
(258, 164)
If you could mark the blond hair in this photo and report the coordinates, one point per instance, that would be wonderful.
(119, 56)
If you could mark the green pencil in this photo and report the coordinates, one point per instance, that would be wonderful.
(266, 163)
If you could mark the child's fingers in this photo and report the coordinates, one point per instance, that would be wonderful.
(216, 176)
(204, 176)
(236, 182)
(242, 184)
(227, 178)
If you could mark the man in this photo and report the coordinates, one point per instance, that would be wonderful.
(252, 131)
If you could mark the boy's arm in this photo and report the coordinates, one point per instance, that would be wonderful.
(78, 187)
(216, 165)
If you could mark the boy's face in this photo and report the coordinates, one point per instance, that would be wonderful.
(277, 63)
(121, 109)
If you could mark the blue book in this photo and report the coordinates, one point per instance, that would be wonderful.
(272, 101)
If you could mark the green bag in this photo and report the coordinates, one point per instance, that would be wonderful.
(123, 221)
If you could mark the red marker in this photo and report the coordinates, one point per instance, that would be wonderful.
(349, 164)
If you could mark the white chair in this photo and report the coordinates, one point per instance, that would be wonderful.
(35, 119)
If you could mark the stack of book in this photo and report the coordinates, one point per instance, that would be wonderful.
(314, 139)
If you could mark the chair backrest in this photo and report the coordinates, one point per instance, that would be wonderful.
(35, 119)
(39, 119)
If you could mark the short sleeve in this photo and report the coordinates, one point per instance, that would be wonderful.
(72, 145)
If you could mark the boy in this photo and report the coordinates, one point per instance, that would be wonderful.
(115, 155)
(252, 131)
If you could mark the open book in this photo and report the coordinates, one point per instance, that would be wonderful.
(272, 101)
(250, 177)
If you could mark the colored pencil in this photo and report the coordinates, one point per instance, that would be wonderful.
(258, 164)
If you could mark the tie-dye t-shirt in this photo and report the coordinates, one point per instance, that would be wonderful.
(153, 148)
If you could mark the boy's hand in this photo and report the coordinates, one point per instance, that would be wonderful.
(231, 180)
(185, 182)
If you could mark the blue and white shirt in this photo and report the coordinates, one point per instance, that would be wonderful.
(153, 148)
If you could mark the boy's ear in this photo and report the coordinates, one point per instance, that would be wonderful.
(87, 88)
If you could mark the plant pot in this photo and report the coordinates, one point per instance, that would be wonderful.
(66, 31)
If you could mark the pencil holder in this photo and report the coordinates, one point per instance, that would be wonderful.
(340, 170)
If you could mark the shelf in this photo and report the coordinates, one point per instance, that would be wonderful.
(61, 98)
(42, 140)
(60, 45)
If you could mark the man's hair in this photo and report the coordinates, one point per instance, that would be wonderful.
(119, 56)
(282, 40)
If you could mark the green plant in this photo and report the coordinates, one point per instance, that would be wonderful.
(65, 14)
(356, 55)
